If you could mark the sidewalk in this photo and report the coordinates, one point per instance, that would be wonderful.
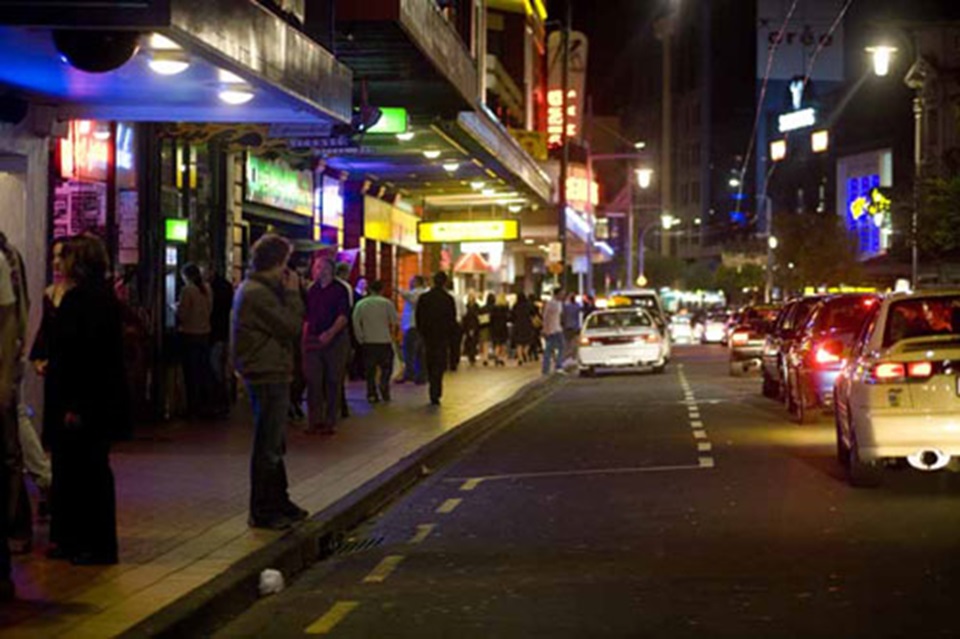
(182, 493)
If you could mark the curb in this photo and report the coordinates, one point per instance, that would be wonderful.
(199, 612)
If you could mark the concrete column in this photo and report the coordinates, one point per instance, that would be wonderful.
(352, 214)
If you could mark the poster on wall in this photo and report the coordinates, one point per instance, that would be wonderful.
(128, 223)
(79, 207)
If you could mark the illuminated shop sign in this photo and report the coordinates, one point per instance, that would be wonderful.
(176, 230)
(576, 67)
(555, 116)
(577, 190)
(796, 120)
(392, 120)
(275, 183)
(485, 231)
(868, 215)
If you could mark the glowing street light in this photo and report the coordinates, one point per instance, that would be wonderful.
(668, 221)
(882, 54)
(644, 178)
(773, 242)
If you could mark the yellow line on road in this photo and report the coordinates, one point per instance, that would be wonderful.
(331, 618)
(470, 484)
(700, 434)
(448, 506)
(386, 566)
(696, 424)
(423, 531)
(706, 462)
(704, 447)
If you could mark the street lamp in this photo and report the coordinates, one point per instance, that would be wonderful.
(882, 54)
(644, 178)
(772, 244)
(666, 222)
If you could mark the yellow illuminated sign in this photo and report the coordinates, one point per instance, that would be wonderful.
(876, 205)
(485, 231)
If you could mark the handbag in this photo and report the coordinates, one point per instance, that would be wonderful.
(484, 319)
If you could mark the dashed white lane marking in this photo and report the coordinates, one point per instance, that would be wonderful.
(696, 424)
(325, 624)
(470, 484)
(423, 531)
(706, 462)
(700, 434)
(449, 506)
(704, 447)
(583, 473)
(386, 566)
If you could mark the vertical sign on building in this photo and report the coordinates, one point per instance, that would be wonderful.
(808, 28)
(576, 86)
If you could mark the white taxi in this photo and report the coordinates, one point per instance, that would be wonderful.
(621, 338)
(897, 398)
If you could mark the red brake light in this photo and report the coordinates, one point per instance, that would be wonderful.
(584, 341)
(824, 356)
(740, 338)
(870, 301)
(919, 369)
(889, 371)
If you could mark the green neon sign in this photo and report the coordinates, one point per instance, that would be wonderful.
(177, 230)
(277, 184)
(392, 120)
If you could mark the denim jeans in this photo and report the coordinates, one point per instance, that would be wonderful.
(554, 349)
(324, 369)
(413, 368)
(268, 475)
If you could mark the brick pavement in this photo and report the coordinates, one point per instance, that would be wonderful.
(182, 493)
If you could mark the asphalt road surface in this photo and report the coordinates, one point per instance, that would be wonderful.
(674, 505)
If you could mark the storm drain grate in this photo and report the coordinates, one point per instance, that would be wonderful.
(350, 546)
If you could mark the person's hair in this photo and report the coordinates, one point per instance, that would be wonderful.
(269, 252)
(491, 299)
(85, 259)
(440, 279)
(323, 258)
(376, 286)
(192, 273)
(558, 292)
(418, 280)
(342, 269)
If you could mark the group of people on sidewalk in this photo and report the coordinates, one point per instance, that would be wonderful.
(79, 353)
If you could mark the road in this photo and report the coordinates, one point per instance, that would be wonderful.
(678, 505)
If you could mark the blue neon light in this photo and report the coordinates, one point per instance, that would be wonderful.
(864, 230)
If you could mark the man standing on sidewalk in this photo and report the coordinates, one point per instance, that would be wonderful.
(326, 345)
(571, 327)
(553, 332)
(267, 321)
(412, 345)
(374, 323)
(437, 323)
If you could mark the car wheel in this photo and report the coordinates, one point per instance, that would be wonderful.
(805, 412)
(843, 453)
(659, 370)
(861, 474)
(770, 387)
(788, 395)
(589, 371)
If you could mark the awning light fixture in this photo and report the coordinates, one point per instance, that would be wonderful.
(451, 167)
(431, 154)
(234, 90)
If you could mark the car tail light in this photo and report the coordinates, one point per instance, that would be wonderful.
(889, 371)
(919, 370)
(584, 341)
(826, 354)
(740, 337)
(649, 338)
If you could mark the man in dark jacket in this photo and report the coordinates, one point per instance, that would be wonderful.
(436, 316)
(267, 322)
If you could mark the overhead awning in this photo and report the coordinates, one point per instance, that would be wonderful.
(292, 77)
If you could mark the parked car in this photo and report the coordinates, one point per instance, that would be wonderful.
(681, 329)
(815, 356)
(621, 338)
(748, 336)
(713, 328)
(897, 397)
(792, 317)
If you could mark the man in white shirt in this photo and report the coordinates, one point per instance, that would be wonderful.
(553, 332)
(374, 324)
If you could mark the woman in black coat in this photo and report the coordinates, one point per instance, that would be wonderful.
(89, 408)
(523, 332)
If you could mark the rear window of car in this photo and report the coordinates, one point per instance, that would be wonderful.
(760, 318)
(922, 317)
(845, 314)
(618, 320)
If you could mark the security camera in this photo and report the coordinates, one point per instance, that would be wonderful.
(96, 51)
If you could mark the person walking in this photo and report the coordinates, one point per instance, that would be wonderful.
(436, 321)
(523, 334)
(326, 345)
(356, 368)
(91, 409)
(571, 327)
(222, 298)
(553, 332)
(471, 328)
(193, 324)
(342, 275)
(267, 323)
(486, 321)
(456, 340)
(500, 329)
(374, 323)
(412, 345)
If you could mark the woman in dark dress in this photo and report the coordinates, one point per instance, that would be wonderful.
(89, 409)
(499, 329)
(523, 328)
(471, 328)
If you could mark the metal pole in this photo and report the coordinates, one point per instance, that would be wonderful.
(768, 214)
(642, 250)
(630, 232)
(917, 177)
(666, 27)
(591, 212)
(565, 151)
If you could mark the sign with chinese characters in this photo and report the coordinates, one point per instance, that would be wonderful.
(576, 86)
(275, 183)
(480, 231)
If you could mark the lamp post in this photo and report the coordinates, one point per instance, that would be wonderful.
(772, 244)
(666, 222)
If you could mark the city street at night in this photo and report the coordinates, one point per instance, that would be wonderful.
(674, 505)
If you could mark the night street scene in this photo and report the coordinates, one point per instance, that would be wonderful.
(480, 319)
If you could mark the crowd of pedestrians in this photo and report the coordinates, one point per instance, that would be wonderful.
(295, 340)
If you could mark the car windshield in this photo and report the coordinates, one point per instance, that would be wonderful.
(617, 320)
(922, 317)
(760, 317)
(845, 314)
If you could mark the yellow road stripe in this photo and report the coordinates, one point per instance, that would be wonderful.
(386, 566)
(448, 506)
(706, 462)
(696, 424)
(704, 447)
(331, 618)
(700, 434)
(470, 484)
(423, 531)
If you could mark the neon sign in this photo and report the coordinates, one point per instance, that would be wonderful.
(876, 204)
(577, 192)
(85, 153)
(555, 108)
(276, 184)
(797, 120)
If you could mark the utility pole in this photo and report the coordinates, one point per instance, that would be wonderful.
(564, 139)
(664, 30)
